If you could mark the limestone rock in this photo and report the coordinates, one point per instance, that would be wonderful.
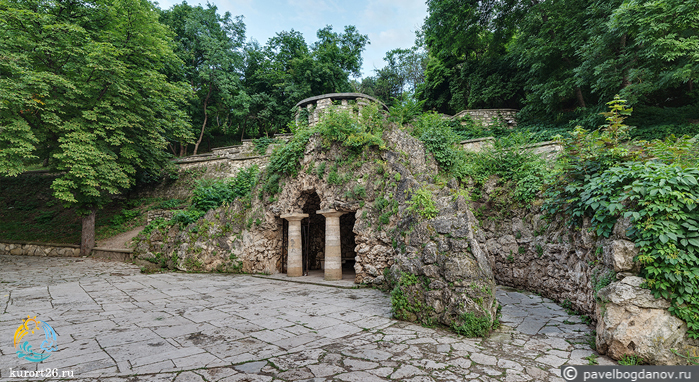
(619, 254)
(633, 322)
(629, 292)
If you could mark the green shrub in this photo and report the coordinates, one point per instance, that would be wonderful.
(472, 325)
(422, 203)
(211, 194)
(45, 217)
(168, 204)
(321, 170)
(125, 216)
(359, 191)
(336, 126)
(187, 217)
(507, 158)
(262, 143)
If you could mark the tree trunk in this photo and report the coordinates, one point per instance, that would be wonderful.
(203, 125)
(579, 95)
(183, 149)
(201, 135)
(87, 241)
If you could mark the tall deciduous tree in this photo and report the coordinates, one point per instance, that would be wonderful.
(80, 85)
(211, 47)
(403, 74)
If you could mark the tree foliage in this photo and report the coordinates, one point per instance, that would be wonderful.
(604, 176)
(552, 57)
(287, 70)
(81, 88)
(211, 47)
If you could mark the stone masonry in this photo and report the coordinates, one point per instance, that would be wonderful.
(487, 117)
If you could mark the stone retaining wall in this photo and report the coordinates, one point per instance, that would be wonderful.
(487, 117)
(593, 275)
(155, 214)
(22, 248)
(192, 171)
(528, 252)
(39, 249)
(549, 148)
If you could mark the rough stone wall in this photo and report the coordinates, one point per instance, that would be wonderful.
(477, 145)
(527, 252)
(633, 322)
(548, 150)
(244, 150)
(453, 272)
(39, 249)
(487, 117)
(593, 275)
(159, 214)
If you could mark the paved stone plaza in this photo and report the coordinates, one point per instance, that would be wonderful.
(115, 324)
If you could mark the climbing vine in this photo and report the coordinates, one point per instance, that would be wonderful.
(606, 176)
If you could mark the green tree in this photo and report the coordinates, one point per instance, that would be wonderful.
(644, 51)
(403, 74)
(211, 47)
(553, 57)
(287, 70)
(81, 88)
(468, 65)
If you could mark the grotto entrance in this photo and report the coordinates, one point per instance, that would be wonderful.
(319, 242)
(312, 235)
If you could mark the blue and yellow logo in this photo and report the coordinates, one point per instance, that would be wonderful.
(24, 349)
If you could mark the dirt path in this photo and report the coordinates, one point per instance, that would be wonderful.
(122, 240)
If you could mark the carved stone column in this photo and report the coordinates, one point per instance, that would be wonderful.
(294, 257)
(333, 253)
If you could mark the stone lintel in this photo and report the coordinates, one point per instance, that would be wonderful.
(294, 217)
(330, 213)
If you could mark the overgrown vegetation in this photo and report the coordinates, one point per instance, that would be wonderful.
(605, 175)
(337, 126)
(422, 203)
(211, 194)
(262, 143)
(507, 157)
(28, 212)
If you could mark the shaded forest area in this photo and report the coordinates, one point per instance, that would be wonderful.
(559, 62)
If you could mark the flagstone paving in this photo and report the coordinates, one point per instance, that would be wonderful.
(115, 324)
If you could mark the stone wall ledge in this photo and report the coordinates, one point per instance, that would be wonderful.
(27, 248)
(16, 242)
(116, 250)
(222, 158)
